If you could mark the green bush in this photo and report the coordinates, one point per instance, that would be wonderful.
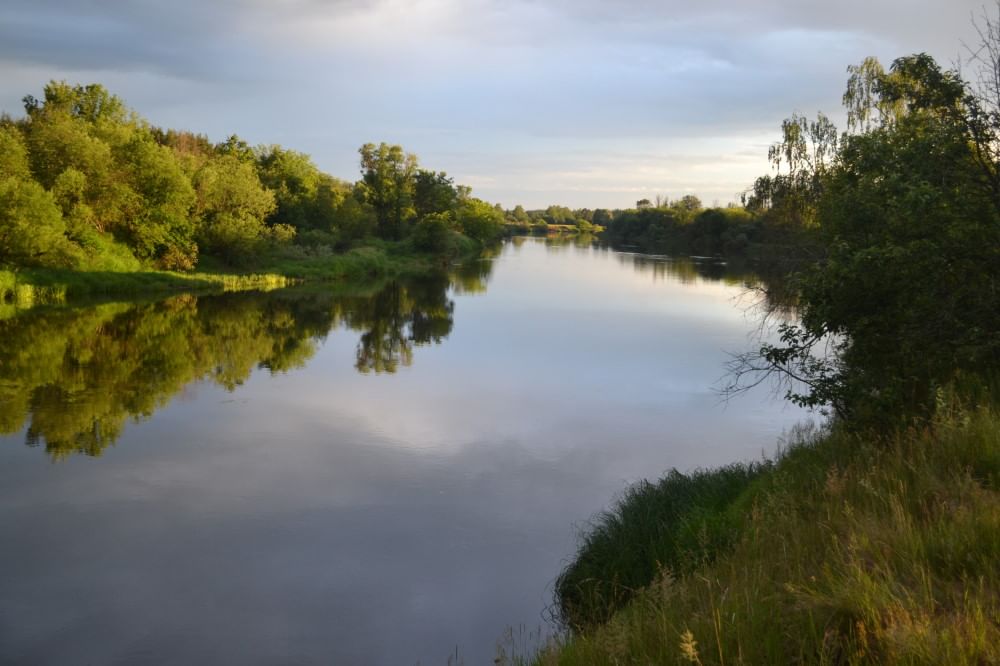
(432, 233)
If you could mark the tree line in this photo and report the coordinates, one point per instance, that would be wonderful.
(86, 183)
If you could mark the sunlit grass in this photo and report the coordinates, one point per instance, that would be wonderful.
(848, 549)
(26, 288)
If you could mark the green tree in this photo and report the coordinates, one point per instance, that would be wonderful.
(387, 179)
(109, 175)
(31, 226)
(432, 233)
(232, 206)
(907, 295)
(479, 220)
(519, 214)
(433, 192)
(602, 217)
(353, 218)
(305, 197)
(159, 225)
(236, 147)
(13, 154)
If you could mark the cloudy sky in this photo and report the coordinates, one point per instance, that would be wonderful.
(578, 102)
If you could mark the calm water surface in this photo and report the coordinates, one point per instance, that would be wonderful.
(374, 477)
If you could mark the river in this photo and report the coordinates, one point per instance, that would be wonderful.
(387, 475)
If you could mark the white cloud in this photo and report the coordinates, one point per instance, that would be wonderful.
(536, 101)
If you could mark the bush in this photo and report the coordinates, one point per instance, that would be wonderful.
(432, 233)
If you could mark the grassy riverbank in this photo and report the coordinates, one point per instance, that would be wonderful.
(27, 287)
(846, 549)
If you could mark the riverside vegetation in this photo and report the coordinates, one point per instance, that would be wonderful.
(97, 201)
(876, 538)
(94, 200)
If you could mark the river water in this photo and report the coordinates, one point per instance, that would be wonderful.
(387, 475)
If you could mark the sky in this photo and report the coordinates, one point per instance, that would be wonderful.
(583, 103)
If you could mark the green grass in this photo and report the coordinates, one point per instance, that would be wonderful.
(847, 549)
(677, 523)
(24, 288)
(30, 287)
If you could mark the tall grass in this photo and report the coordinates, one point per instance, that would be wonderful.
(675, 524)
(850, 549)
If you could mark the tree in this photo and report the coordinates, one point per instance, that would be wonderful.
(906, 298)
(602, 217)
(479, 220)
(158, 226)
(790, 197)
(232, 206)
(109, 175)
(90, 103)
(305, 197)
(431, 232)
(236, 147)
(519, 214)
(387, 178)
(31, 226)
(352, 217)
(688, 203)
(433, 192)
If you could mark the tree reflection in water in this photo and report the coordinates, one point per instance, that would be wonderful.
(75, 375)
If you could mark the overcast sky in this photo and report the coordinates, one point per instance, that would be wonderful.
(576, 102)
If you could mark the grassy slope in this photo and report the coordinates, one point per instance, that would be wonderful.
(845, 550)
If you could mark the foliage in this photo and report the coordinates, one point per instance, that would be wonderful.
(433, 232)
(433, 193)
(232, 207)
(90, 185)
(479, 220)
(849, 549)
(677, 228)
(909, 211)
(305, 197)
(387, 184)
(31, 227)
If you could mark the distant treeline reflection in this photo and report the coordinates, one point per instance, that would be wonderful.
(766, 283)
(76, 375)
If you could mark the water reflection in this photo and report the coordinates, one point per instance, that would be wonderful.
(75, 376)
(330, 516)
(686, 270)
(770, 290)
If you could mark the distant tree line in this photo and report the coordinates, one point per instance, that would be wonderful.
(583, 220)
(681, 226)
(684, 226)
(85, 183)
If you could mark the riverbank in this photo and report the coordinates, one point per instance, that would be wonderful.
(846, 549)
(27, 287)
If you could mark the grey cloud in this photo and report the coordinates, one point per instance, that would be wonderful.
(475, 78)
